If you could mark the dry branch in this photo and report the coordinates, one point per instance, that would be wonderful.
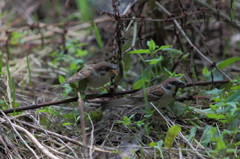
(92, 96)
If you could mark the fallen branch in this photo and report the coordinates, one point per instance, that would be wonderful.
(92, 96)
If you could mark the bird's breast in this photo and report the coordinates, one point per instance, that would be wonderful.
(99, 81)
(166, 99)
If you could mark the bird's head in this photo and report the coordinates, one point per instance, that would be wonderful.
(106, 68)
(172, 84)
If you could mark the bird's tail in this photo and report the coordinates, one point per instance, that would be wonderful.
(116, 103)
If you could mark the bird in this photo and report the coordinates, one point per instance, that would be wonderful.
(162, 93)
(93, 75)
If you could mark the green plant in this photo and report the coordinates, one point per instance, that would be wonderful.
(155, 66)
(225, 109)
(73, 59)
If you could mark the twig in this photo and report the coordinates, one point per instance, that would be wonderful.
(234, 23)
(190, 42)
(161, 20)
(93, 96)
(91, 139)
(204, 83)
(43, 149)
(83, 126)
(65, 138)
(68, 146)
(180, 133)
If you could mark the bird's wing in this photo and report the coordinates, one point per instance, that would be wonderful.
(116, 103)
(154, 93)
(84, 73)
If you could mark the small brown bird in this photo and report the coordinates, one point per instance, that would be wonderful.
(94, 75)
(162, 93)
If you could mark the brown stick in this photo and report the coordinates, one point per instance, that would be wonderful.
(65, 138)
(204, 83)
(83, 125)
(92, 96)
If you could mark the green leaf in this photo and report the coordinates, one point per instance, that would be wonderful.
(152, 144)
(208, 133)
(215, 91)
(234, 97)
(65, 124)
(151, 45)
(159, 147)
(73, 66)
(83, 6)
(139, 84)
(227, 62)
(173, 50)
(98, 37)
(169, 72)
(237, 143)
(140, 51)
(165, 47)
(155, 61)
(235, 87)
(61, 79)
(171, 135)
(192, 133)
(127, 62)
(185, 56)
(216, 116)
(205, 72)
(81, 53)
(221, 145)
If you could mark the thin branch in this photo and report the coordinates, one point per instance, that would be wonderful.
(41, 148)
(83, 125)
(234, 23)
(65, 138)
(180, 133)
(93, 96)
(190, 42)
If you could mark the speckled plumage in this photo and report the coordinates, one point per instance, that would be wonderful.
(94, 75)
(163, 93)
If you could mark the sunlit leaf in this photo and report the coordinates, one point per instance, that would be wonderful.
(140, 51)
(65, 124)
(151, 45)
(216, 116)
(61, 79)
(165, 47)
(81, 53)
(152, 144)
(221, 145)
(205, 71)
(235, 87)
(227, 62)
(155, 61)
(97, 34)
(171, 135)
